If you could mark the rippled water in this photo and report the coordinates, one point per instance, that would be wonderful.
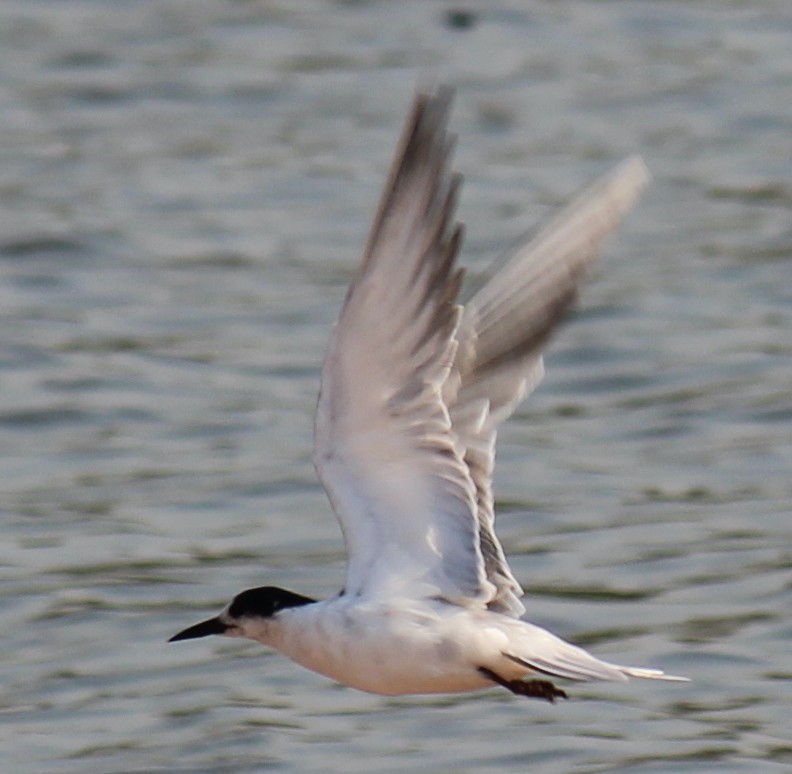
(184, 190)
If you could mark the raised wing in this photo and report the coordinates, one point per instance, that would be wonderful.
(503, 330)
(384, 448)
(413, 390)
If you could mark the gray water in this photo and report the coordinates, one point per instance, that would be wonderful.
(185, 186)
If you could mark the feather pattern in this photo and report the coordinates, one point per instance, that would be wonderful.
(503, 330)
(384, 447)
(414, 387)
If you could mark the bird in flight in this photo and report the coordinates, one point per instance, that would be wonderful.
(414, 388)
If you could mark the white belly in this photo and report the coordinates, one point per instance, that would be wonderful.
(389, 650)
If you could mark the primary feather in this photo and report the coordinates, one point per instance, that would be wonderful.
(414, 387)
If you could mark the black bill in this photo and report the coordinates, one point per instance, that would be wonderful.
(203, 629)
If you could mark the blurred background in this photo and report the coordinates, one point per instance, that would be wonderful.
(185, 187)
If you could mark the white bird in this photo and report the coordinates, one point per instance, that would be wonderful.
(414, 387)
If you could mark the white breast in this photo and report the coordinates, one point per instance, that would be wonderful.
(388, 649)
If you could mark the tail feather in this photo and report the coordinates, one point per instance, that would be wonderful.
(581, 667)
(557, 658)
(651, 674)
(536, 650)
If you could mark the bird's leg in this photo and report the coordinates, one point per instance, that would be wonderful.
(540, 689)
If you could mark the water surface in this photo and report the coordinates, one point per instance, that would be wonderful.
(184, 190)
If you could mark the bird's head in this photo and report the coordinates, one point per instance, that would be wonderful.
(245, 614)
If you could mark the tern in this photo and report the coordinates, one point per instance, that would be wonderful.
(413, 389)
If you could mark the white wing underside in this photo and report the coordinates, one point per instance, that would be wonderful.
(414, 387)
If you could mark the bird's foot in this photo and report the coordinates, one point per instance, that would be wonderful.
(539, 689)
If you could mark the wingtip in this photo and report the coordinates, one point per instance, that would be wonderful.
(627, 181)
(636, 168)
(435, 92)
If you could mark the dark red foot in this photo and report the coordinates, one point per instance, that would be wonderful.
(539, 689)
